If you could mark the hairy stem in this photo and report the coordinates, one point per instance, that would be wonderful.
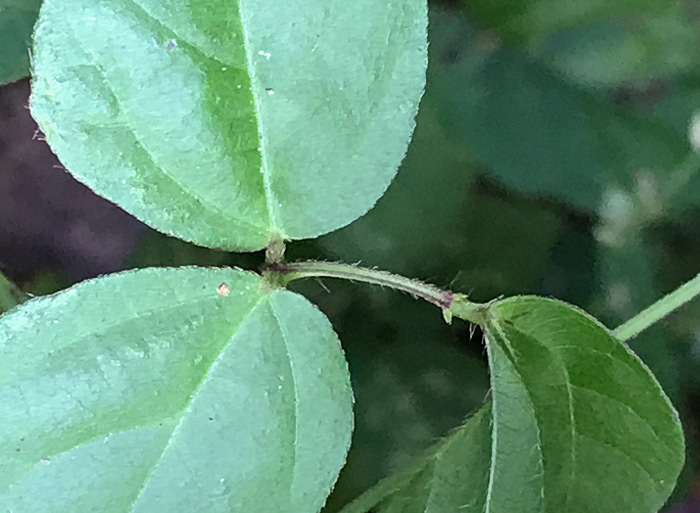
(284, 273)
(658, 310)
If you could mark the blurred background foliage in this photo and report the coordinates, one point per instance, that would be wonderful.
(553, 154)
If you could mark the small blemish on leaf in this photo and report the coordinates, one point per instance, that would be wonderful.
(223, 289)
(171, 44)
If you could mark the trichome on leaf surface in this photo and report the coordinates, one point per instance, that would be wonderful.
(241, 126)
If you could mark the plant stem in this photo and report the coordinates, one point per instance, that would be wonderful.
(285, 273)
(658, 310)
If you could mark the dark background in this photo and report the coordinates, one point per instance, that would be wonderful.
(551, 156)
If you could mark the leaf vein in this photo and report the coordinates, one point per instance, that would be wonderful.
(265, 170)
(630, 409)
(206, 204)
(293, 372)
(511, 358)
(188, 405)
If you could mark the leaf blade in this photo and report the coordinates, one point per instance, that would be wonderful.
(211, 423)
(576, 423)
(216, 124)
(519, 111)
(589, 395)
(445, 481)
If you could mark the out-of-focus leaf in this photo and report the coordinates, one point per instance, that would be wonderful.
(679, 104)
(418, 226)
(215, 122)
(635, 48)
(17, 19)
(158, 250)
(536, 132)
(529, 232)
(571, 271)
(528, 21)
(414, 378)
(10, 295)
(597, 43)
(675, 248)
(45, 283)
(521, 122)
(171, 390)
(437, 223)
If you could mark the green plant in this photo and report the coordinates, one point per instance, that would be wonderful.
(199, 389)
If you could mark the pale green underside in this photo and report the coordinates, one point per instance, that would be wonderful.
(577, 424)
(159, 394)
(231, 123)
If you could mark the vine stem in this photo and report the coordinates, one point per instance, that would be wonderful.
(658, 310)
(288, 272)
(457, 304)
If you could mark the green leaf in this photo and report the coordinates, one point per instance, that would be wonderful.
(521, 122)
(414, 382)
(10, 295)
(17, 19)
(576, 424)
(231, 124)
(594, 42)
(164, 390)
(647, 45)
(580, 424)
(535, 130)
(530, 20)
(447, 480)
(627, 285)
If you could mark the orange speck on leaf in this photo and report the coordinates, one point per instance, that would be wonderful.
(223, 289)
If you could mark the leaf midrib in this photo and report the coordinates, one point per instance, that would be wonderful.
(108, 326)
(292, 370)
(255, 87)
(573, 432)
(199, 199)
(190, 401)
(508, 351)
(145, 313)
(555, 353)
